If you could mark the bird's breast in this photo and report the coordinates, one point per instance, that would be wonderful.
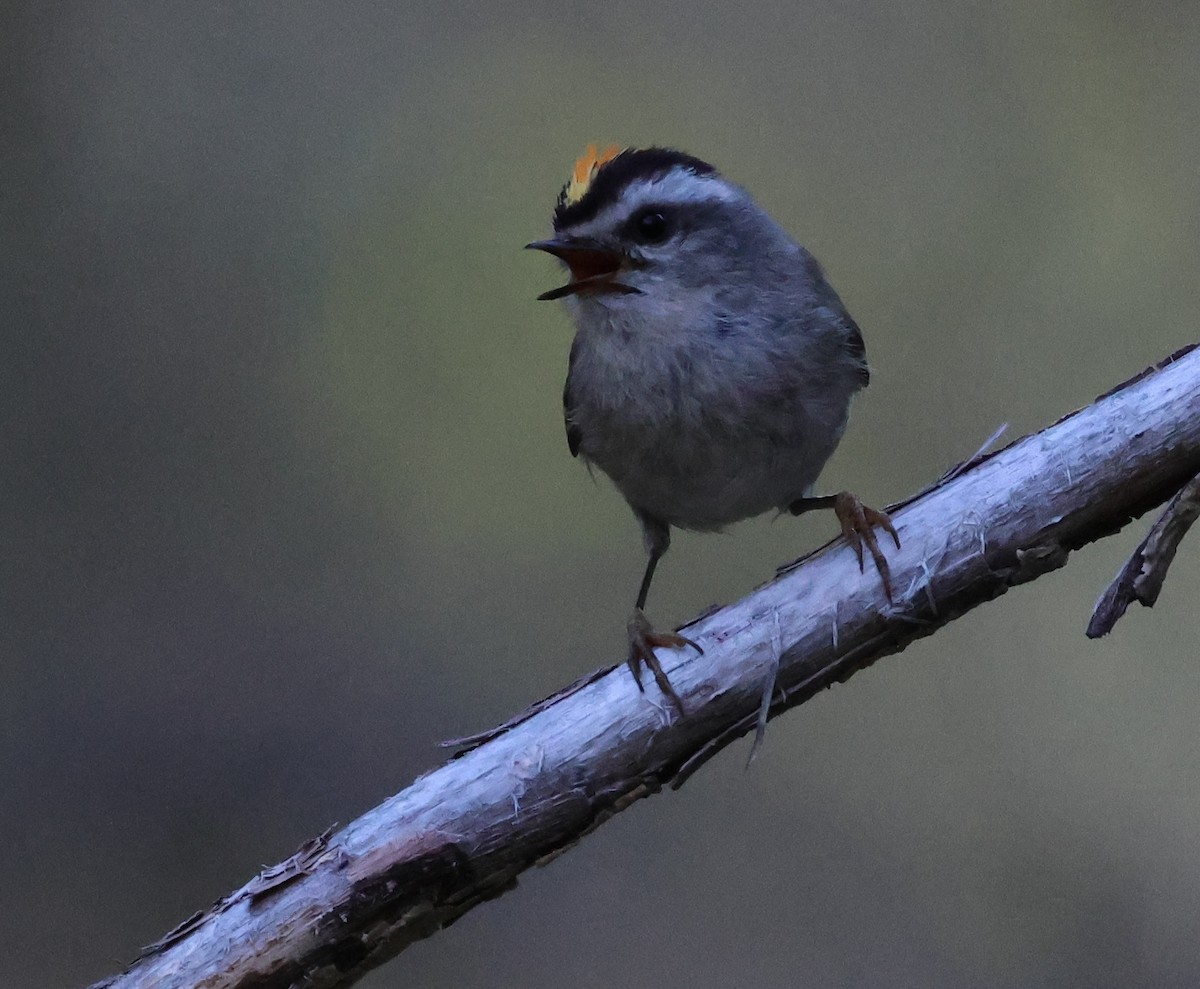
(695, 429)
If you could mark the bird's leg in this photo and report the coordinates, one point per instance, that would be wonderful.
(858, 526)
(643, 639)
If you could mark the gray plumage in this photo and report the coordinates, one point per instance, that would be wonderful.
(720, 389)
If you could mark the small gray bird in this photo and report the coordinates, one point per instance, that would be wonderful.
(713, 364)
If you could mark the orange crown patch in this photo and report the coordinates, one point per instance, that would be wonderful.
(585, 171)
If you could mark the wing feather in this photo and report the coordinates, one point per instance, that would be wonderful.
(574, 433)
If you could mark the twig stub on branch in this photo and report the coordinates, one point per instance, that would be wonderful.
(1141, 578)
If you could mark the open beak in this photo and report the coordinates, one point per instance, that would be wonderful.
(593, 267)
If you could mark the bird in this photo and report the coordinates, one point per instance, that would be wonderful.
(713, 364)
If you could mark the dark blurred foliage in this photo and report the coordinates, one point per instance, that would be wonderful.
(285, 498)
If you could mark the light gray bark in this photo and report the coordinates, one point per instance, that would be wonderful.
(463, 832)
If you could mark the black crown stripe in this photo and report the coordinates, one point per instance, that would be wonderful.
(612, 178)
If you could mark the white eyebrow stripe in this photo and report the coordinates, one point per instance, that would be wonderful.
(678, 187)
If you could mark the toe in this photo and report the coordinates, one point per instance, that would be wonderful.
(671, 640)
(642, 642)
(858, 525)
(883, 521)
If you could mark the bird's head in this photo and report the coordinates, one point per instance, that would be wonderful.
(637, 227)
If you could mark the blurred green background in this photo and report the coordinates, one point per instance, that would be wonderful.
(285, 497)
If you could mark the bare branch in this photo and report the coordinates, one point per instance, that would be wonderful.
(462, 833)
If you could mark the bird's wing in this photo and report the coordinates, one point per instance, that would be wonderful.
(856, 346)
(828, 299)
(574, 434)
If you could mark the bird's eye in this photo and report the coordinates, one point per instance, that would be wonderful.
(650, 226)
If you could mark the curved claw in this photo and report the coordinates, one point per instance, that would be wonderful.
(643, 640)
(858, 526)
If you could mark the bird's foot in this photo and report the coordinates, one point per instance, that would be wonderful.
(643, 640)
(858, 526)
